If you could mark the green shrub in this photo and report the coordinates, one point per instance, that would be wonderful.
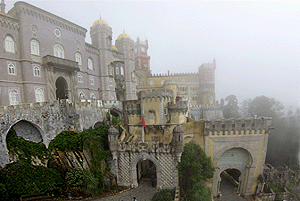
(25, 149)
(23, 178)
(164, 195)
(67, 141)
(74, 178)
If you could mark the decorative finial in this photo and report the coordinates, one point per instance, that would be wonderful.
(100, 16)
(123, 30)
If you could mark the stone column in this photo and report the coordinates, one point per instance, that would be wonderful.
(249, 181)
(216, 182)
(50, 83)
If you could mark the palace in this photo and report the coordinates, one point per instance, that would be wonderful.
(46, 58)
(52, 80)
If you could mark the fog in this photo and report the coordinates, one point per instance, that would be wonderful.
(255, 44)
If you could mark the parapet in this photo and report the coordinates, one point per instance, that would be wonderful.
(237, 126)
(158, 93)
(179, 106)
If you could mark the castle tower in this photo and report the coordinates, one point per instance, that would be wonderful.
(2, 6)
(207, 83)
(125, 45)
(141, 58)
(101, 35)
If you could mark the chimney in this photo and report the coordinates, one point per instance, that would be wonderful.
(2, 6)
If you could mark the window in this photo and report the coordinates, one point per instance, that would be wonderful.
(110, 69)
(91, 81)
(79, 77)
(14, 97)
(9, 44)
(81, 95)
(122, 70)
(144, 64)
(36, 71)
(165, 111)
(117, 71)
(141, 83)
(39, 95)
(11, 69)
(35, 47)
(151, 82)
(90, 64)
(78, 58)
(93, 96)
(162, 82)
(110, 82)
(59, 51)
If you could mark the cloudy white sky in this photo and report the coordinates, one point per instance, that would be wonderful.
(256, 44)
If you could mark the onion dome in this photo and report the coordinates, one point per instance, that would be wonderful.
(101, 22)
(123, 35)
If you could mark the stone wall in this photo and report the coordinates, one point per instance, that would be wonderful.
(49, 119)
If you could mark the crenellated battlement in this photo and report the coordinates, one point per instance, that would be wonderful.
(178, 107)
(173, 74)
(205, 107)
(237, 126)
(208, 66)
(159, 93)
(143, 146)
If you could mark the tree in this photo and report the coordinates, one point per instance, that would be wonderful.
(262, 106)
(194, 169)
(231, 109)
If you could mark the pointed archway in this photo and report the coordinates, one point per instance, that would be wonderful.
(61, 88)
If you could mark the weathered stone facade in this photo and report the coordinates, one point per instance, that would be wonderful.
(41, 122)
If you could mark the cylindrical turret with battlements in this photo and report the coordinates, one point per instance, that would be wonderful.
(207, 82)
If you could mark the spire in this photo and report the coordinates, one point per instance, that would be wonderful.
(100, 16)
(2, 6)
(123, 30)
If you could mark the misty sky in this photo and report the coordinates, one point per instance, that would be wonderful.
(256, 44)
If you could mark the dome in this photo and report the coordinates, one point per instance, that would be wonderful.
(123, 35)
(101, 22)
(112, 131)
(178, 129)
(114, 48)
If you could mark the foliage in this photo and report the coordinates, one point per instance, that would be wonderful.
(262, 106)
(96, 141)
(114, 121)
(26, 149)
(194, 168)
(67, 141)
(198, 192)
(74, 177)
(164, 195)
(231, 109)
(277, 187)
(23, 178)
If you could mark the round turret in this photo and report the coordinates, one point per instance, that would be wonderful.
(177, 141)
(113, 139)
(101, 22)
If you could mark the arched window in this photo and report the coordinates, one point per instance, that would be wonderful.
(78, 58)
(11, 69)
(93, 96)
(92, 81)
(162, 82)
(35, 47)
(81, 95)
(39, 95)
(122, 70)
(151, 82)
(9, 44)
(110, 70)
(14, 97)
(90, 64)
(79, 77)
(59, 51)
(117, 71)
(36, 71)
(110, 81)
